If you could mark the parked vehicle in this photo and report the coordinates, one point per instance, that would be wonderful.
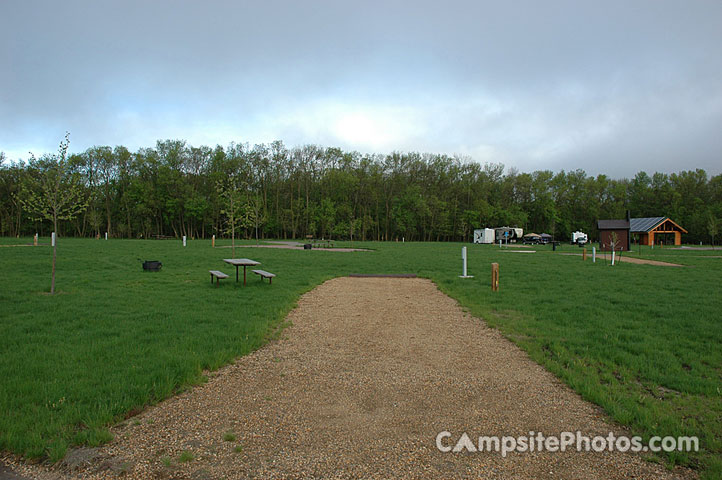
(579, 238)
(484, 235)
(508, 234)
(531, 239)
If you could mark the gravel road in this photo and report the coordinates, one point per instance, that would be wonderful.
(371, 370)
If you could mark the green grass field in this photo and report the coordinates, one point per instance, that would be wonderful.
(642, 341)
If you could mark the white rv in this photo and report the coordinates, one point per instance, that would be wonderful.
(484, 235)
(508, 234)
(579, 238)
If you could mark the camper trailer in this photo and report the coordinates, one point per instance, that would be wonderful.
(484, 235)
(579, 238)
(508, 234)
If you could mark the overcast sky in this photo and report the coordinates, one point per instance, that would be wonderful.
(612, 87)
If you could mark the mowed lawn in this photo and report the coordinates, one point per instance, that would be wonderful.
(644, 342)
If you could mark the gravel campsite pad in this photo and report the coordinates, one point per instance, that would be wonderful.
(641, 261)
(371, 370)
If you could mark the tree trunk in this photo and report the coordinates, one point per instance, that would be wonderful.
(107, 213)
(233, 237)
(127, 218)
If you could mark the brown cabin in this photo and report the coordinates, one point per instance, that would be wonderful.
(607, 230)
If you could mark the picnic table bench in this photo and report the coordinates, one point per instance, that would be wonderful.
(265, 274)
(218, 274)
(322, 243)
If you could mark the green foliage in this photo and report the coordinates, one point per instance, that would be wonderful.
(52, 191)
(185, 456)
(232, 207)
(253, 213)
(177, 189)
(712, 226)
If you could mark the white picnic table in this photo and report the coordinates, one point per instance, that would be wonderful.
(241, 262)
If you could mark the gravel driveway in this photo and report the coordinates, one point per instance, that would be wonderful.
(371, 370)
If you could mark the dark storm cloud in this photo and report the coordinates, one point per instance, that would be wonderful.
(611, 87)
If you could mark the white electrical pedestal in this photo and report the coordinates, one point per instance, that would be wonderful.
(463, 256)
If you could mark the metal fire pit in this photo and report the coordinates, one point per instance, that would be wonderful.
(152, 265)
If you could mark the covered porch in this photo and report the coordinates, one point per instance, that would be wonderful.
(663, 232)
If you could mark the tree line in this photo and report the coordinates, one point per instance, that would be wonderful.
(176, 189)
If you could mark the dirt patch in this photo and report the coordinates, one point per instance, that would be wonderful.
(294, 247)
(383, 275)
(28, 245)
(639, 261)
(361, 384)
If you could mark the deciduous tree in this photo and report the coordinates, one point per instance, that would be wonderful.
(54, 193)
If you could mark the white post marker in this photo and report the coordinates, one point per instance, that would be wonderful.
(594, 254)
(184, 240)
(52, 240)
(463, 256)
(613, 252)
(106, 235)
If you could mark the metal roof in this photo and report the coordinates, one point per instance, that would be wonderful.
(645, 224)
(612, 224)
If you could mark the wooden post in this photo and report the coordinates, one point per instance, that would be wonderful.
(35, 240)
(495, 277)
(213, 241)
(584, 254)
